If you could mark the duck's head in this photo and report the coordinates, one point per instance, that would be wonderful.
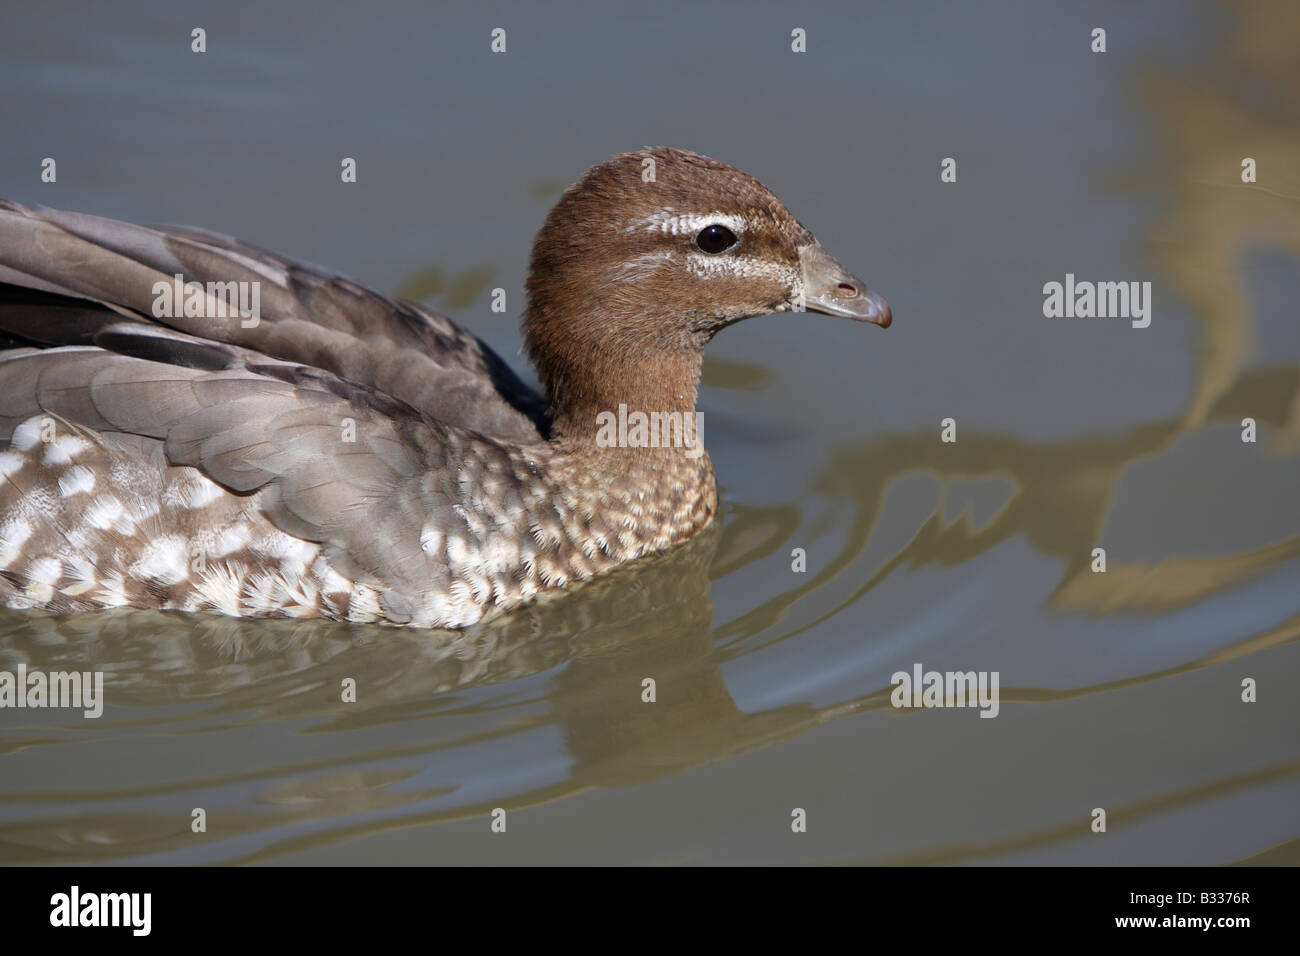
(647, 256)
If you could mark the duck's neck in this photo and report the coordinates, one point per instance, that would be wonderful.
(660, 386)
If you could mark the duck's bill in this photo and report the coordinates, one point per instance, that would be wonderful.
(831, 289)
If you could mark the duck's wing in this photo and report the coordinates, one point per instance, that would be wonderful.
(376, 484)
(307, 316)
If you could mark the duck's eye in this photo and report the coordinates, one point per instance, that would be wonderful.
(714, 239)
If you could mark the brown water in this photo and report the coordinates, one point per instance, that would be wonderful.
(1119, 690)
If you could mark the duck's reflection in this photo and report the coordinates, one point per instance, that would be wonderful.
(284, 668)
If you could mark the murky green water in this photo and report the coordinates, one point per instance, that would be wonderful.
(1119, 690)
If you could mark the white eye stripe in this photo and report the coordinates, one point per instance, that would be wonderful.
(668, 222)
(708, 267)
(744, 267)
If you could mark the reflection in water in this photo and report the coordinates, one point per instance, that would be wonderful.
(1062, 495)
(293, 669)
(1208, 123)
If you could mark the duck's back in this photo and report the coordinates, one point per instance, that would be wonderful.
(110, 269)
(311, 462)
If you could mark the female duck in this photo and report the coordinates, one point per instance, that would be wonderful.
(345, 455)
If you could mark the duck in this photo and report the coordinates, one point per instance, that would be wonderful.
(320, 450)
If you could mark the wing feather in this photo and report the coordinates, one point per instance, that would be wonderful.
(307, 316)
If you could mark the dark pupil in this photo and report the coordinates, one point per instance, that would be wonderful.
(715, 239)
